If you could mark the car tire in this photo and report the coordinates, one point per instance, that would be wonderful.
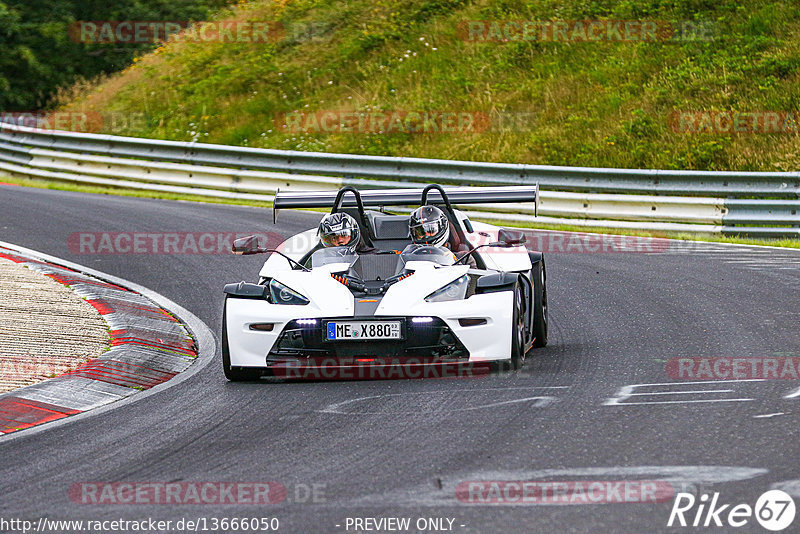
(517, 330)
(540, 318)
(234, 374)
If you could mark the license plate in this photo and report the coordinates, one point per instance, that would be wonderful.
(368, 330)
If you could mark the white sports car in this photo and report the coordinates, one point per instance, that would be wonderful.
(480, 300)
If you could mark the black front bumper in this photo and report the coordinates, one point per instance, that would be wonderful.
(432, 342)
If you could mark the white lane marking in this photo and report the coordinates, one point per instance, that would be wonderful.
(765, 259)
(702, 382)
(540, 401)
(768, 415)
(792, 487)
(684, 392)
(675, 402)
(793, 395)
(633, 390)
(777, 259)
(336, 408)
(772, 264)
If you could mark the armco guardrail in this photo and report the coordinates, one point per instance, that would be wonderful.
(704, 201)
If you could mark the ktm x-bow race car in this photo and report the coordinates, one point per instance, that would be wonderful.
(481, 299)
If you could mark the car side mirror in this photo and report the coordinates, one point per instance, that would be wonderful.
(511, 238)
(247, 246)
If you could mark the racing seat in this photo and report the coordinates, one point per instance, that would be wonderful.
(454, 241)
(390, 231)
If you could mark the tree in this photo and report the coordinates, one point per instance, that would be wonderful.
(39, 54)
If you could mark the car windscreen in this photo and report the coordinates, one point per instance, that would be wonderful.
(326, 256)
(438, 255)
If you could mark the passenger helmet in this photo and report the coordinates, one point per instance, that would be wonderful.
(339, 230)
(428, 225)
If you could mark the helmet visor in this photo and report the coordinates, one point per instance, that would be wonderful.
(337, 238)
(427, 231)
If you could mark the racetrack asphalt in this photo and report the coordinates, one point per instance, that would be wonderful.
(401, 448)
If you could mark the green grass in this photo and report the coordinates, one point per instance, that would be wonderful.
(600, 104)
(686, 236)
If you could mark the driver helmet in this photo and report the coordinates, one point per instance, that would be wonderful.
(428, 225)
(339, 230)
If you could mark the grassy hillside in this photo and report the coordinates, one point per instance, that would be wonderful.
(577, 103)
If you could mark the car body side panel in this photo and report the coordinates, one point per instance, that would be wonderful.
(513, 259)
(249, 348)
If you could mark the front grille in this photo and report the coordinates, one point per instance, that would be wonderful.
(433, 341)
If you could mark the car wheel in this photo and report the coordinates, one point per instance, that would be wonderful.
(234, 374)
(517, 330)
(540, 320)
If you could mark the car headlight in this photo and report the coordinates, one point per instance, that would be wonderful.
(280, 294)
(455, 290)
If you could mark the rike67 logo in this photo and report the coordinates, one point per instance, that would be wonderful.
(774, 511)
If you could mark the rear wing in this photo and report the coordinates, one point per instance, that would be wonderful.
(407, 197)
